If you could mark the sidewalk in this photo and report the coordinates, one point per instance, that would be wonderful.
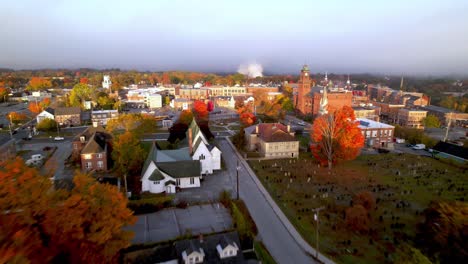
(292, 231)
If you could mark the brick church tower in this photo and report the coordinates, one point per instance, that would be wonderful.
(303, 91)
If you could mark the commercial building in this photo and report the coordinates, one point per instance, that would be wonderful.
(411, 118)
(376, 134)
(101, 117)
(272, 140)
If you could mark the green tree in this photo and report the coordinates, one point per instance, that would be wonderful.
(128, 156)
(80, 93)
(431, 121)
(47, 125)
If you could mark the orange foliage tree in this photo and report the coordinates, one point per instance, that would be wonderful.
(37, 107)
(38, 83)
(3, 94)
(41, 225)
(336, 136)
(247, 118)
(200, 110)
(16, 118)
(185, 117)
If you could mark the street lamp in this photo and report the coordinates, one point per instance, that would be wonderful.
(316, 218)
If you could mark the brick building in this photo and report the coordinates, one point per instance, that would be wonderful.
(68, 116)
(92, 147)
(411, 118)
(376, 134)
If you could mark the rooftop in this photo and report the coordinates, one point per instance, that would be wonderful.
(365, 123)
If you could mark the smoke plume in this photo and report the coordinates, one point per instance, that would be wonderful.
(252, 70)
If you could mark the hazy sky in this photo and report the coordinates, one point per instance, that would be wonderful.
(398, 36)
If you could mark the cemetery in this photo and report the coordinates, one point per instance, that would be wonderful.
(371, 205)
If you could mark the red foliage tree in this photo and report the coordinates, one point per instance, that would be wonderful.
(200, 110)
(357, 218)
(336, 136)
(84, 80)
(366, 199)
(185, 117)
(210, 106)
(247, 118)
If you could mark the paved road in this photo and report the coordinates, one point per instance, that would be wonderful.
(272, 232)
(172, 223)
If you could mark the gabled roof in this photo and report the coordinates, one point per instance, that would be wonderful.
(96, 144)
(92, 130)
(225, 241)
(452, 149)
(271, 132)
(156, 176)
(181, 169)
(50, 110)
(68, 111)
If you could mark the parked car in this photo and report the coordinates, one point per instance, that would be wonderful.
(419, 146)
(58, 138)
(301, 123)
(399, 140)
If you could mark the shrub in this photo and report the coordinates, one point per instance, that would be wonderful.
(366, 199)
(225, 198)
(47, 125)
(150, 203)
(357, 219)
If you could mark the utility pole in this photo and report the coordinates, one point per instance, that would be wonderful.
(448, 127)
(316, 218)
(9, 124)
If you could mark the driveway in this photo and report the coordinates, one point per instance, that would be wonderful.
(272, 231)
(172, 223)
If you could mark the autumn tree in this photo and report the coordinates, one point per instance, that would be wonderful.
(246, 117)
(185, 117)
(37, 107)
(42, 225)
(128, 156)
(16, 117)
(38, 83)
(3, 94)
(47, 124)
(366, 199)
(357, 218)
(336, 136)
(444, 233)
(269, 106)
(135, 123)
(80, 93)
(431, 121)
(200, 111)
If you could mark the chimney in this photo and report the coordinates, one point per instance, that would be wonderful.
(289, 128)
(190, 143)
(256, 129)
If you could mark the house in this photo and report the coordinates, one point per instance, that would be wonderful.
(94, 154)
(164, 170)
(101, 117)
(376, 134)
(92, 147)
(450, 151)
(220, 248)
(68, 115)
(272, 140)
(47, 113)
(200, 149)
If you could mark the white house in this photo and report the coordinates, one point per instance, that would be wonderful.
(47, 113)
(164, 170)
(200, 149)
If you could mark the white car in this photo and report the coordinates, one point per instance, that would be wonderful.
(59, 138)
(301, 123)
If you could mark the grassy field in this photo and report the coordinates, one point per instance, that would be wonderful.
(403, 186)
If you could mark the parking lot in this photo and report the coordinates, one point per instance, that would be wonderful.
(172, 223)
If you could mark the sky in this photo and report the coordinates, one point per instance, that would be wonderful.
(373, 36)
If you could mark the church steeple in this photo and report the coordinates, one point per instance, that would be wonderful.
(326, 77)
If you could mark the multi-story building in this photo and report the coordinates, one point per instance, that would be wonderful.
(101, 117)
(307, 99)
(272, 140)
(194, 93)
(411, 118)
(376, 134)
(368, 112)
(91, 147)
(68, 116)
(445, 114)
(389, 112)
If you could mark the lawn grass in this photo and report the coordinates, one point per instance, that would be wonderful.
(298, 186)
(262, 253)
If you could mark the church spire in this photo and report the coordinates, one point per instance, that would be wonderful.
(326, 76)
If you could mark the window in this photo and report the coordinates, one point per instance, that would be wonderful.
(156, 182)
(177, 182)
(192, 180)
(231, 253)
(99, 155)
(202, 156)
(88, 156)
(100, 164)
(88, 165)
(75, 146)
(196, 259)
